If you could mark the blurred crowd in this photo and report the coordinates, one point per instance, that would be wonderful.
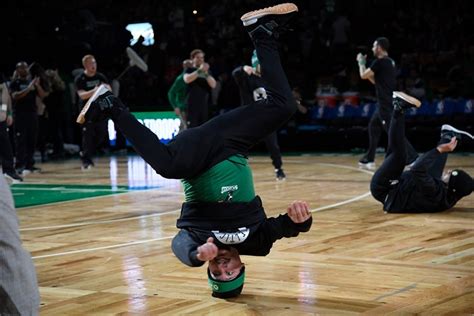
(431, 42)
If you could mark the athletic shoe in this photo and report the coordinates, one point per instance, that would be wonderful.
(280, 175)
(402, 101)
(367, 164)
(447, 131)
(30, 170)
(81, 119)
(271, 20)
(13, 177)
(87, 165)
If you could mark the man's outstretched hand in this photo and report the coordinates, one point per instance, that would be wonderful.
(448, 147)
(298, 211)
(207, 251)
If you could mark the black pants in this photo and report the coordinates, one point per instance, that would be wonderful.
(271, 141)
(198, 112)
(93, 135)
(395, 160)
(197, 149)
(6, 152)
(379, 122)
(26, 132)
(42, 138)
(56, 124)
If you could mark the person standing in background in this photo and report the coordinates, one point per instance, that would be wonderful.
(24, 92)
(93, 133)
(56, 111)
(6, 121)
(177, 95)
(36, 70)
(199, 82)
(382, 74)
(252, 89)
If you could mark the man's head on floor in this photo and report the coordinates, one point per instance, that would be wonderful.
(226, 273)
(460, 183)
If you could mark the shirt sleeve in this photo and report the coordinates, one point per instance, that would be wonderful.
(375, 66)
(420, 170)
(185, 248)
(277, 228)
(79, 83)
(103, 78)
(172, 93)
(239, 75)
(14, 86)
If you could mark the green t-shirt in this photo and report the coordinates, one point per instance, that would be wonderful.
(177, 93)
(230, 181)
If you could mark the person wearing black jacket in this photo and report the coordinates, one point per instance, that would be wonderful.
(251, 88)
(222, 217)
(423, 188)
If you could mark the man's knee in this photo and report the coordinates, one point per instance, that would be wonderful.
(286, 104)
(379, 191)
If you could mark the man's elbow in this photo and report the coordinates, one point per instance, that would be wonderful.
(187, 79)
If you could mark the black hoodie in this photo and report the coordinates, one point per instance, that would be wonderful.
(418, 192)
(242, 225)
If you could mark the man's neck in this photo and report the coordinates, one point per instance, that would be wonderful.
(88, 74)
(382, 55)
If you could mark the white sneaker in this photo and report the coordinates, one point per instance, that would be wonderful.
(367, 165)
(456, 132)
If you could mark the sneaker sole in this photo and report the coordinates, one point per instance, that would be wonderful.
(407, 98)
(251, 17)
(81, 118)
(11, 180)
(367, 166)
(447, 127)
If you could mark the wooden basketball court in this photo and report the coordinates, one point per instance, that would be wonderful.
(111, 254)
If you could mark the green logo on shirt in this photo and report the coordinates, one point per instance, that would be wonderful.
(230, 188)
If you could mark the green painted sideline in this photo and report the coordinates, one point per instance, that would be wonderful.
(38, 194)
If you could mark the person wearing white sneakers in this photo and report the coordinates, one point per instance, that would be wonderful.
(222, 217)
(382, 73)
(423, 188)
(251, 88)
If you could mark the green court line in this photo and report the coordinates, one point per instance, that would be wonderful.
(26, 195)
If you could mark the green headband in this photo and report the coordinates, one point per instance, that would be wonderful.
(226, 286)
